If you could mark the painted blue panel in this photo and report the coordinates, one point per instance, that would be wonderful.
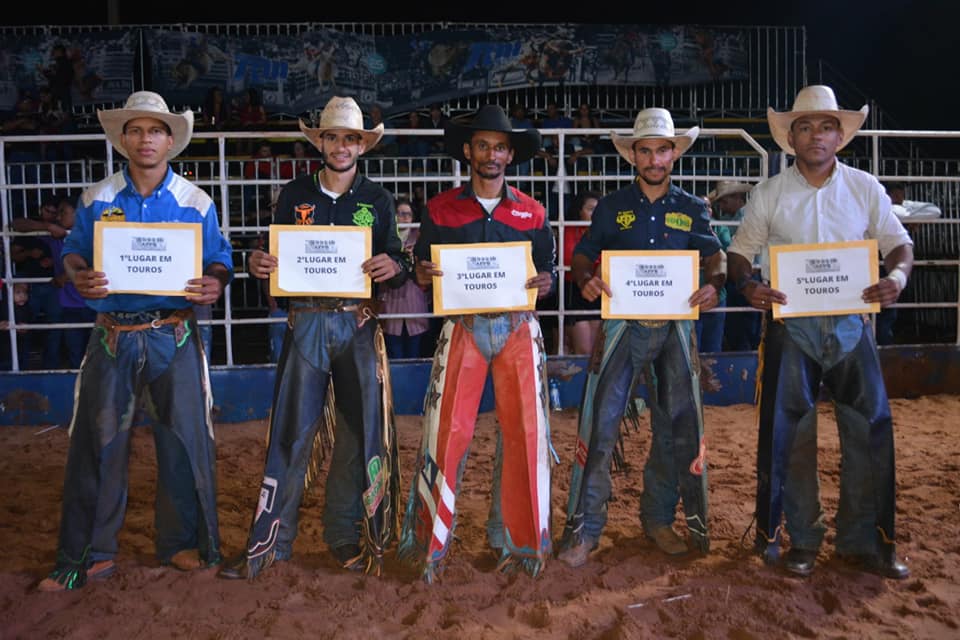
(245, 392)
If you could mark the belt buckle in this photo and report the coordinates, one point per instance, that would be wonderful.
(652, 324)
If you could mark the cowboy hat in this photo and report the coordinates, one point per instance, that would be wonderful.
(147, 104)
(525, 142)
(342, 113)
(817, 99)
(654, 124)
(728, 188)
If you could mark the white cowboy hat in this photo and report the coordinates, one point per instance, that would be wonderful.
(654, 123)
(147, 104)
(342, 113)
(817, 99)
(728, 188)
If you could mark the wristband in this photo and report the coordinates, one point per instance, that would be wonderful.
(898, 276)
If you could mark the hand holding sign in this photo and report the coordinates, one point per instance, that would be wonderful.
(824, 279)
(483, 277)
(147, 258)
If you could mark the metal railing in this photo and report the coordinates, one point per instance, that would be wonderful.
(931, 298)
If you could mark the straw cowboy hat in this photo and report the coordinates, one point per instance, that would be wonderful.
(817, 99)
(728, 188)
(147, 104)
(342, 113)
(654, 124)
(525, 142)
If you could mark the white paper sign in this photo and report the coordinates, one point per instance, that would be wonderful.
(155, 259)
(654, 285)
(483, 277)
(320, 261)
(824, 279)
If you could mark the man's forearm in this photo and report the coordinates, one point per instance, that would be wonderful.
(739, 270)
(219, 272)
(581, 269)
(715, 270)
(74, 263)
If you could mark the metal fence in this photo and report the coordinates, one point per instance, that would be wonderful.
(928, 309)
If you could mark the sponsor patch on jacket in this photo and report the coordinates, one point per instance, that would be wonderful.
(303, 213)
(625, 219)
(363, 216)
(524, 215)
(113, 214)
(679, 221)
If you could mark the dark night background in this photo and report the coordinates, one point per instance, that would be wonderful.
(900, 52)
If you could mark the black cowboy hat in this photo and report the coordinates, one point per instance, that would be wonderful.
(525, 142)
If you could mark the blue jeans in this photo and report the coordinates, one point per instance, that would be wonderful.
(674, 405)
(45, 305)
(76, 339)
(275, 333)
(710, 331)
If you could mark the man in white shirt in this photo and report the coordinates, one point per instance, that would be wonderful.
(819, 200)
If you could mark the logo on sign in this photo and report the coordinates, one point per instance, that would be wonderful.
(146, 243)
(319, 246)
(482, 262)
(822, 265)
(650, 271)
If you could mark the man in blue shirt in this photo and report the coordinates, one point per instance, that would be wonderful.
(650, 214)
(141, 342)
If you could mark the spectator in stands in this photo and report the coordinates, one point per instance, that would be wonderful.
(403, 335)
(22, 315)
(52, 119)
(437, 120)
(257, 196)
(60, 75)
(910, 210)
(709, 327)
(741, 330)
(520, 120)
(388, 145)
(73, 306)
(250, 115)
(585, 144)
(553, 119)
(33, 257)
(582, 330)
(303, 161)
(25, 115)
(414, 145)
(215, 114)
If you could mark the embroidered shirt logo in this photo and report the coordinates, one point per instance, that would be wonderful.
(113, 214)
(680, 221)
(521, 214)
(363, 216)
(626, 219)
(303, 213)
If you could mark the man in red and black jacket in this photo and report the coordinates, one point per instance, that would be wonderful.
(508, 344)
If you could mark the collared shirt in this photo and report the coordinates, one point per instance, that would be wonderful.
(786, 209)
(627, 220)
(456, 217)
(176, 199)
(364, 204)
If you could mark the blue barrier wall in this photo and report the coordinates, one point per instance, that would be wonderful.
(245, 393)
